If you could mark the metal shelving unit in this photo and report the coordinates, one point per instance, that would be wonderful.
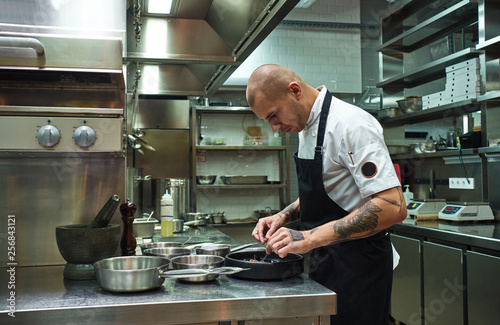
(283, 185)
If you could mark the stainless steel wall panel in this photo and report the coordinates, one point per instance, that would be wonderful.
(48, 190)
(162, 114)
(171, 158)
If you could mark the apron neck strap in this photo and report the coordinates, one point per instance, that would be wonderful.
(325, 109)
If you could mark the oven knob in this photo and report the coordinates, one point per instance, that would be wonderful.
(84, 136)
(48, 136)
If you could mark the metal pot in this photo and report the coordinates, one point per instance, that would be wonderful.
(198, 262)
(266, 212)
(178, 225)
(197, 219)
(130, 273)
(273, 268)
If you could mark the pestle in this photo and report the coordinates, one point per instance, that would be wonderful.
(104, 216)
(128, 242)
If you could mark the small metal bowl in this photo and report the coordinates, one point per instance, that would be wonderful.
(167, 252)
(144, 228)
(410, 104)
(160, 244)
(198, 262)
(206, 180)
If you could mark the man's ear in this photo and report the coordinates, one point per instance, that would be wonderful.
(295, 89)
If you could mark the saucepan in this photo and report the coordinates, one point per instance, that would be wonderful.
(130, 273)
(271, 268)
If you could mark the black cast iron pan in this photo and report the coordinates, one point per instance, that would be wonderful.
(273, 268)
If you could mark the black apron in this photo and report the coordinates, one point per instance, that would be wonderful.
(359, 271)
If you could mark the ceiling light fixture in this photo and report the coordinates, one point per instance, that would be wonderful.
(304, 3)
(159, 7)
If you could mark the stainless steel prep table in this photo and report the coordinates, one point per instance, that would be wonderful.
(43, 296)
(485, 235)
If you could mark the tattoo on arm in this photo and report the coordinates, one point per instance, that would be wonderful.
(291, 214)
(365, 220)
(393, 202)
(296, 235)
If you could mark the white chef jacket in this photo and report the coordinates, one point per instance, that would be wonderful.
(349, 129)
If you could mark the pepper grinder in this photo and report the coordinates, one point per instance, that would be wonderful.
(128, 243)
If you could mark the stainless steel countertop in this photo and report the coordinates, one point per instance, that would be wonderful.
(484, 235)
(44, 296)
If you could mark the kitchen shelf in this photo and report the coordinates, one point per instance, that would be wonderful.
(428, 72)
(241, 186)
(449, 20)
(445, 111)
(238, 148)
(492, 44)
(489, 96)
(436, 154)
(223, 109)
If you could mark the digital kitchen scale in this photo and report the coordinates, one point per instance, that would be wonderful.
(466, 211)
(424, 206)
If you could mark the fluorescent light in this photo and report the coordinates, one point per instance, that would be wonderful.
(303, 3)
(160, 7)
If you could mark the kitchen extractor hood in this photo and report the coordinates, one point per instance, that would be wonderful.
(196, 50)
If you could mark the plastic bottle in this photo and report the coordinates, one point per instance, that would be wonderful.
(408, 196)
(167, 215)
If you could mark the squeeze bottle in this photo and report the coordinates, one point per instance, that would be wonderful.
(408, 197)
(167, 215)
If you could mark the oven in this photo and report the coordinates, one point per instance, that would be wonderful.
(62, 113)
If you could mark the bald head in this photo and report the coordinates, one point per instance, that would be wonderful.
(271, 80)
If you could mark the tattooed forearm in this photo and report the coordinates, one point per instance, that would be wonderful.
(393, 202)
(365, 221)
(296, 235)
(291, 213)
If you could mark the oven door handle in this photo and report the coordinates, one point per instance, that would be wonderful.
(26, 42)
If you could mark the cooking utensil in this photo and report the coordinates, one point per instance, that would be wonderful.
(206, 180)
(198, 262)
(144, 228)
(145, 144)
(130, 273)
(266, 212)
(108, 210)
(159, 245)
(134, 143)
(81, 246)
(410, 104)
(189, 273)
(387, 112)
(178, 225)
(218, 249)
(272, 268)
(167, 252)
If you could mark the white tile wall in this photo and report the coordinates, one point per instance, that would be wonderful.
(238, 204)
(330, 57)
